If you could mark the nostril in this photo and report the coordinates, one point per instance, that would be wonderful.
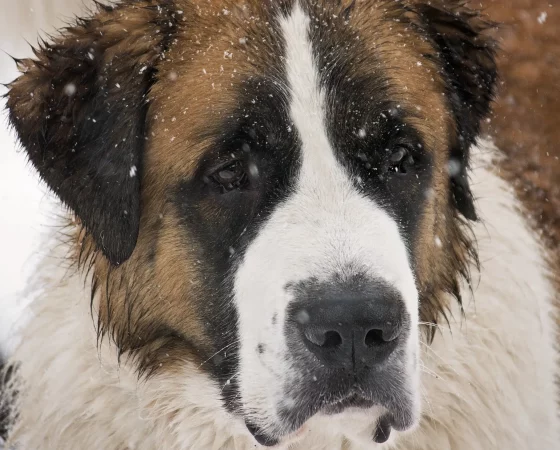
(376, 337)
(332, 339)
(325, 339)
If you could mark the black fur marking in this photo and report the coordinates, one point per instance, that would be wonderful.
(467, 56)
(347, 12)
(7, 399)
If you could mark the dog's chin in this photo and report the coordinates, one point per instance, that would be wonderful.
(383, 420)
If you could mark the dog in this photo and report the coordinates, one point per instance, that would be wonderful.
(288, 231)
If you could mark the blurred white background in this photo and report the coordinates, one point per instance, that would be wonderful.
(24, 202)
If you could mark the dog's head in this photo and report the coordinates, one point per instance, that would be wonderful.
(272, 190)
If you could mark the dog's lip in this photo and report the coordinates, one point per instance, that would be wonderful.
(383, 429)
(349, 401)
(391, 418)
(267, 441)
(262, 438)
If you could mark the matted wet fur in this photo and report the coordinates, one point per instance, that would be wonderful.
(124, 116)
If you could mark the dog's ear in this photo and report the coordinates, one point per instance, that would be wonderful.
(467, 53)
(80, 108)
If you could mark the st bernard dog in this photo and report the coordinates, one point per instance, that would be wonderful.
(288, 233)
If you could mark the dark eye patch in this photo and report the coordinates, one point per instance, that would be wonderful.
(383, 153)
(247, 169)
(383, 146)
(252, 157)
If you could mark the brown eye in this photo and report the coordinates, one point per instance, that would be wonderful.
(230, 177)
(401, 161)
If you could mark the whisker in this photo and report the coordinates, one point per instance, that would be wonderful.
(221, 350)
(228, 382)
(430, 324)
(433, 374)
(432, 351)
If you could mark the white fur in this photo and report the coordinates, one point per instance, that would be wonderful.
(489, 380)
(487, 383)
(325, 227)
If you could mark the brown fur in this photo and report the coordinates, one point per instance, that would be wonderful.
(525, 121)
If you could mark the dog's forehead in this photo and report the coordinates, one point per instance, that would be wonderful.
(231, 53)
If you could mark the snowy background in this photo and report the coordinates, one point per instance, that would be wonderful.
(24, 203)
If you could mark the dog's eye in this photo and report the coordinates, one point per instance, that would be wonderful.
(231, 176)
(401, 161)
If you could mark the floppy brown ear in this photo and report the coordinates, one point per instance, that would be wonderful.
(468, 55)
(80, 111)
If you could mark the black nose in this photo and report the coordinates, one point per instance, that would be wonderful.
(351, 329)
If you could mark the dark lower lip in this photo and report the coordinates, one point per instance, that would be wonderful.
(383, 429)
(260, 437)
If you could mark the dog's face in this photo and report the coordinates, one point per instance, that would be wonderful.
(274, 188)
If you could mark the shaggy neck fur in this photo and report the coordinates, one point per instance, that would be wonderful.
(487, 382)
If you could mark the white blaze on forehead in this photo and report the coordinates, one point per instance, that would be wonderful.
(307, 107)
(326, 227)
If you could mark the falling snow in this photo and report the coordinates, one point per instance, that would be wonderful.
(70, 89)
(253, 170)
(302, 317)
(454, 168)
